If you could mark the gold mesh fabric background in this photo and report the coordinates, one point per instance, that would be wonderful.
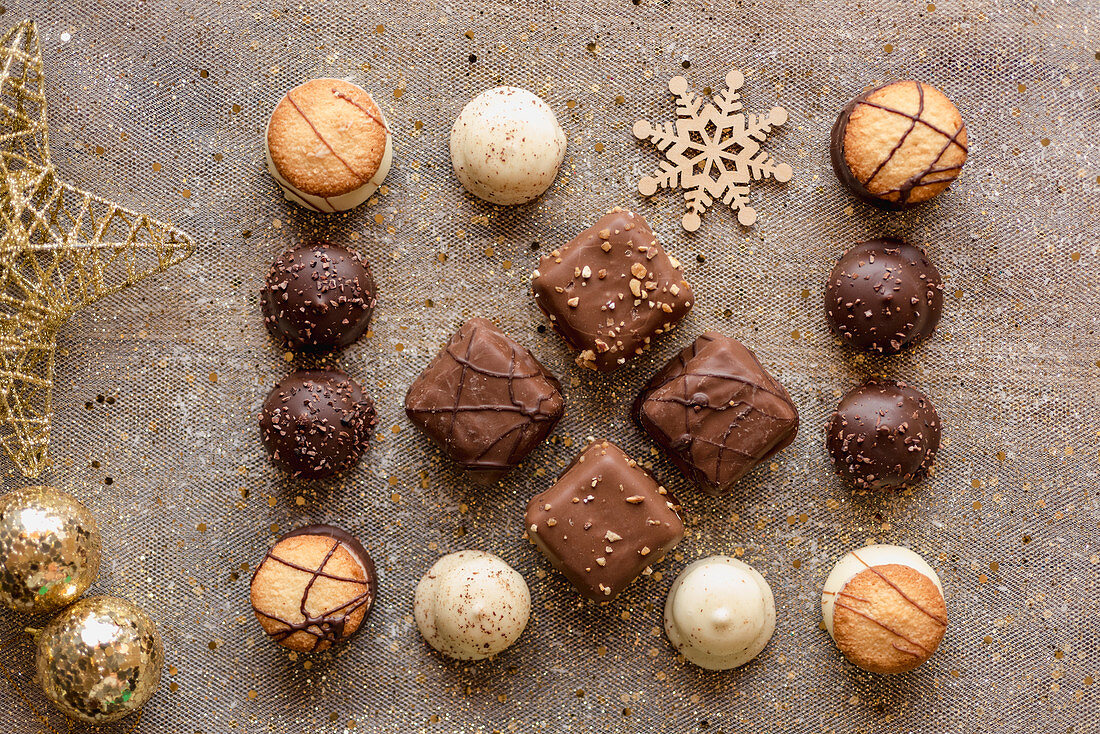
(161, 105)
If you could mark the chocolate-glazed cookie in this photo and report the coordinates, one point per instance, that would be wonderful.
(313, 588)
(884, 295)
(883, 435)
(716, 411)
(898, 144)
(316, 422)
(318, 297)
(611, 290)
(485, 400)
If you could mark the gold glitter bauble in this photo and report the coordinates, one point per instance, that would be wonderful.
(49, 549)
(99, 660)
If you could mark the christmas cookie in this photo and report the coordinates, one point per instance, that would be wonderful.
(604, 521)
(884, 435)
(899, 144)
(485, 400)
(611, 290)
(471, 605)
(316, 423)
(883, 606)
(717, 412)
(313, 588)
(328, 145)
(720, 613)
(507, 146)
(883, 296)
(318, 297)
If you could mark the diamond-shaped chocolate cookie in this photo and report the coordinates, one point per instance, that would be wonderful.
(611, 290)
(604, 521)
(485, 400)
(716, 411)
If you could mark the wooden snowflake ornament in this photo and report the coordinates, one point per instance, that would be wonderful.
(712, 151)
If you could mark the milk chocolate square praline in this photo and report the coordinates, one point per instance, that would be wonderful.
(604, 521)
(485, 400)
(716, 411)
(612, 289)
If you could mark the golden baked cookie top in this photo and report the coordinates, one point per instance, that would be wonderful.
(904, 142)
(889, 618)
(310, 591)
(327, 137)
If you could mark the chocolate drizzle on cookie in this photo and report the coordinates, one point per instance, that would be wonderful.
(330, 625)
(864, 608)
(485, 400)
(716, 411)
(932, 173)
(362, 178)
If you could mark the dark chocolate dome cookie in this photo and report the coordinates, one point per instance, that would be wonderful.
(317, 422)
(883, 435)
(318, 297)
(884, 295)
(313, 588)
(899, 144)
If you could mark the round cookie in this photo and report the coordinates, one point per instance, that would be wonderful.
(316, 422)
(328, 145)
(884, 295)
(883, 606)
(720, 613)
(507, 146)
(898, 144)
(471, 605)
(313, 588)
(318, 297)
(884, 435)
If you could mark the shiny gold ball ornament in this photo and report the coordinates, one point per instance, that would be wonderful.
(49, 549)
(99, 660)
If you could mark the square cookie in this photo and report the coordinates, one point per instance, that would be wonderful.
(485, 400)
(611, 290)
(716, 411)
(604, 521)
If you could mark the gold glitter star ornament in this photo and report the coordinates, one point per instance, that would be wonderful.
(712, 151)
(61, 249)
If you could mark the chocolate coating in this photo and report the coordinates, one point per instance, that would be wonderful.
(604, 521)
(316, 422)
(884, 295)
(716, 411)
(318, 297)
(485, 400)
(612, 289)
(883, 435)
